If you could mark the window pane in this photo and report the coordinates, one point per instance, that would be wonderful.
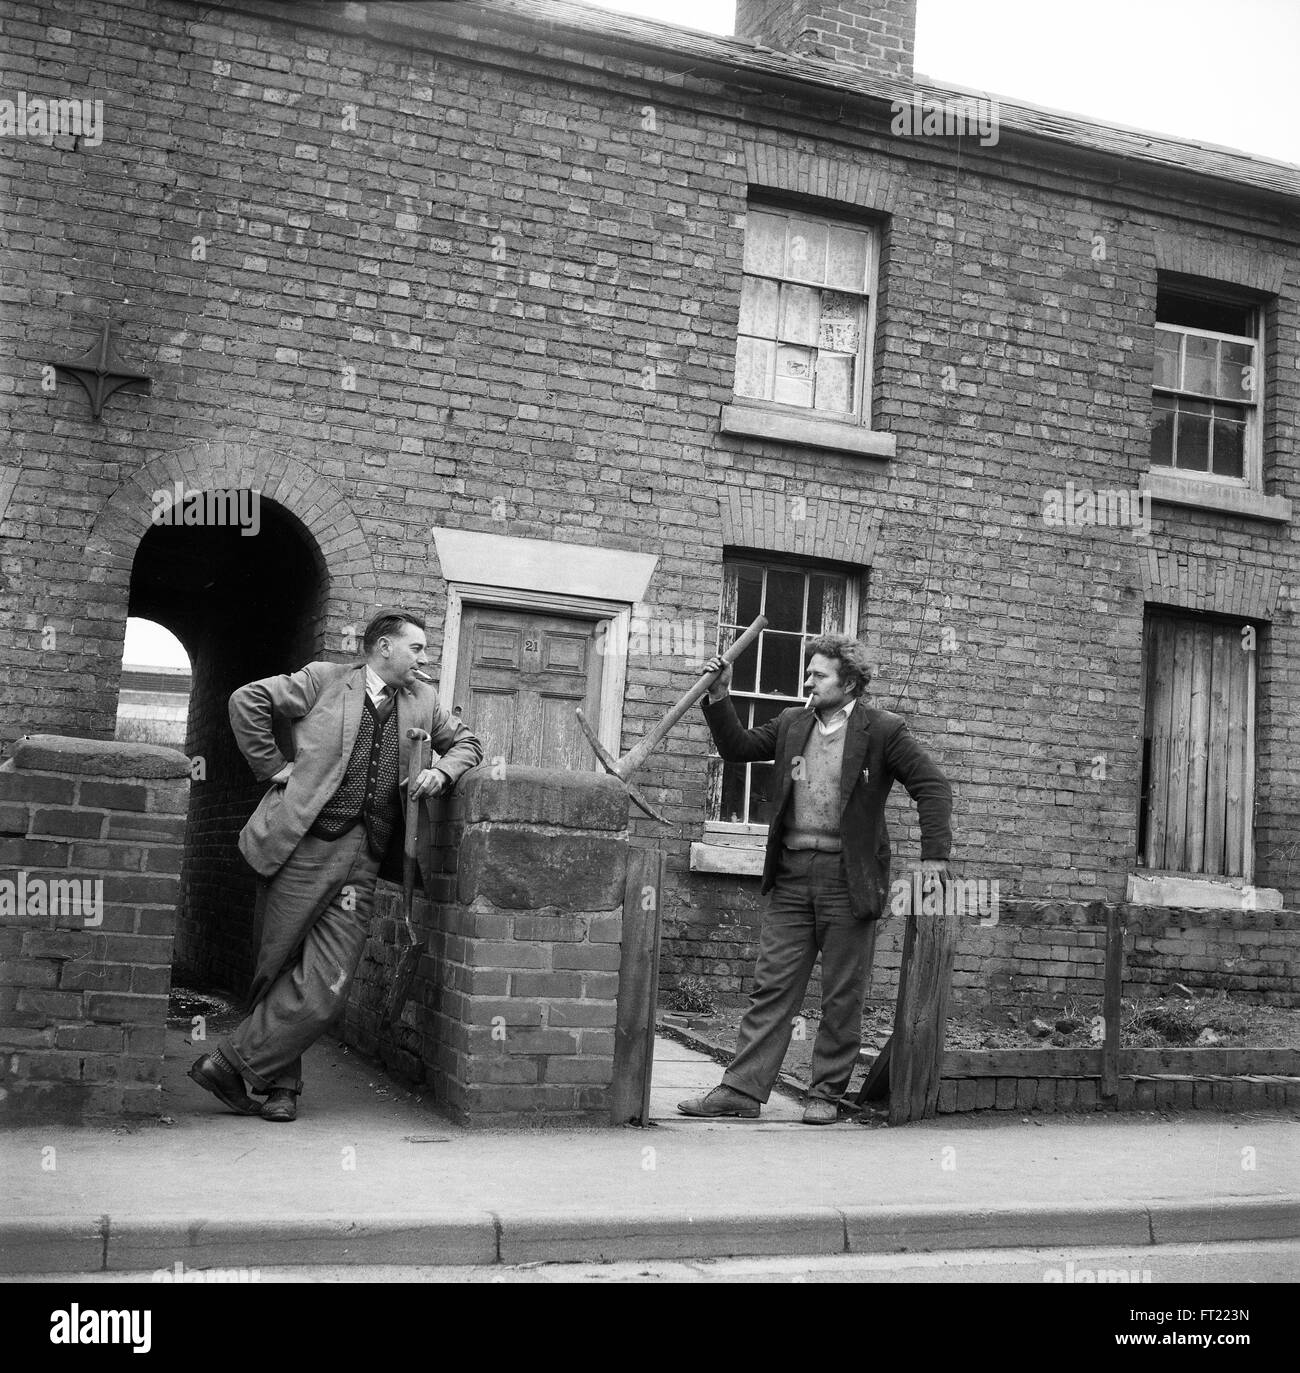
(800, 311)
(1192, 312)
(760, 712)
(847, 265)
(749, 600)
(832, 597)
(794, 375)
(782, 665)
(784, 608)
(834, 383)
(1194, 436)
(1229, 445)
(1201, 363)
(840, 317)
(805, 258)
(732, 810)
(755, 364)
(762, 798)
(742, 678)
(1236, 371)
(1167, 359)
(758, 298)
(764, 243)
(1162, 431)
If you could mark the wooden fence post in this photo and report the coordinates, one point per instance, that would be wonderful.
(916, 1049)
(638, 983)
(1110, 1010)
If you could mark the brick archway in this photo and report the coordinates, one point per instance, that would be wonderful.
(225, 464)
(244, 607)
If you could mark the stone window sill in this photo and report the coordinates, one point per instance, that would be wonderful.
(791, 426)
(1173, 489)
(735, 849)
(1227, 893)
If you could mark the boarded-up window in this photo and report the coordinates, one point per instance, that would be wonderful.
(1198, 755)
(800, 602)
(802, 335)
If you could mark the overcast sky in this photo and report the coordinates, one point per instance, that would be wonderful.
(1218, 71)
(1201, 69)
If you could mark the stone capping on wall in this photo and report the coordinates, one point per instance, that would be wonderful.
(91, 837)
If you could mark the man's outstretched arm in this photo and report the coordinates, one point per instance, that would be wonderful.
(736, 744)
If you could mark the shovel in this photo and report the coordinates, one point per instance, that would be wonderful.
(409, 958)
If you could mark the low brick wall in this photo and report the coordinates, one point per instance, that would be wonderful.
(1042, 954)
(511, 1017)
(91, 837)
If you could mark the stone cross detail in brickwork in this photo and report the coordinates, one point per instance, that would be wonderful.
(101, 377)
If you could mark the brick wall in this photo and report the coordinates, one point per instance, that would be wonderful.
(512, 1013)
(1040, 955)
(536, 284)
(86, 970)
(879, 35)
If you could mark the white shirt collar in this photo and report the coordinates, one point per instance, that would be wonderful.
(375, 684)
(838, 720)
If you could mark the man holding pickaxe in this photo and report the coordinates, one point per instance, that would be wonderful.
(319, 837)
(826, 867)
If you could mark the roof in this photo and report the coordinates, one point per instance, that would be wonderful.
(671, 45)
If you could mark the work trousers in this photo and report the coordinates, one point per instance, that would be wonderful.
(808, 913)
(315, 920)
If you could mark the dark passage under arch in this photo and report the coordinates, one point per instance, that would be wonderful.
(244, 607)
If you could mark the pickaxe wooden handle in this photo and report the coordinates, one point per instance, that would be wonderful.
(419, 738)
(623, 767)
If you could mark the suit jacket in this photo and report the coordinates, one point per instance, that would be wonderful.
(878, 749)
(322, 704)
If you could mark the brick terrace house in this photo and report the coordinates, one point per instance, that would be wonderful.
(592, 338)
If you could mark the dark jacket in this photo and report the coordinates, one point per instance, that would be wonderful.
(878, 749)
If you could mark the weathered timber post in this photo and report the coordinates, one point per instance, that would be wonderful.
(916, 1055)
(638, 981)
(1110, 1009)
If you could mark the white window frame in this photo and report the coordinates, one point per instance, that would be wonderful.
(785, 422)
(1252, 478)
(737, 848)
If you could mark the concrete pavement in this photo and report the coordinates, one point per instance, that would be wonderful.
(370, 1175)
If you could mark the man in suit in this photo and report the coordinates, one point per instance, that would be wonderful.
(319, 839)
(826, 867)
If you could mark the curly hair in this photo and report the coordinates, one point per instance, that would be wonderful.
(849, 655)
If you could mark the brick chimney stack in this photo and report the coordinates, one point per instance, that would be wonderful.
(878, 36)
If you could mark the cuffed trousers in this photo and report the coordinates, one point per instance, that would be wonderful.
(808, 913)
(315, 920)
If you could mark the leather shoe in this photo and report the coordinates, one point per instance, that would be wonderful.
(224, 1083)
(721, 1101)
(281, 1105)
(819, 1111)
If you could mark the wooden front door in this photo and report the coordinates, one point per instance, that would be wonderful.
(1198, 757)
(519, 676)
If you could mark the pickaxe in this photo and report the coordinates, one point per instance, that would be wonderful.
(409, 960)
(623, 767)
